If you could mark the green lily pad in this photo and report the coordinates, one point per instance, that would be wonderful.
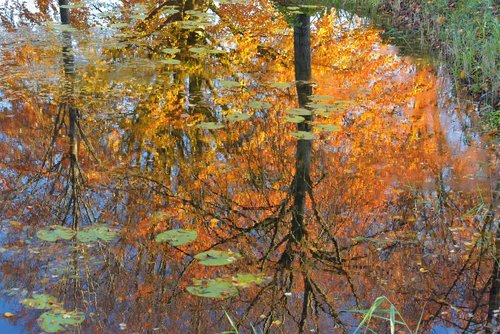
(177, 237)
(40, 302)
(214, 288)
(217, 258)
(294, 119)
(56, 321)
(245, 280)
(170, 61)
(299, 112)
(210, 126)
(281, 84)
(303, 135)
(119, 25)
(55, 232)
(259, 105)
(217, 52)
(96, 233)
(170, 51)
(170, 11)
(229, 83)
(327, 127)
(238, 117)
(198, 50)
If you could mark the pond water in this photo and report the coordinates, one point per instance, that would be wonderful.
(198, 166)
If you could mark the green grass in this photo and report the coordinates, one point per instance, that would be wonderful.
(389, 314)
(234, 327)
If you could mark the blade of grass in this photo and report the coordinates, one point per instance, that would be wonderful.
(393, 319)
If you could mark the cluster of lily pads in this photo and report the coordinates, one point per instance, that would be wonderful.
(55, 318)
(317, 106)
(224, 287)
(90, 234)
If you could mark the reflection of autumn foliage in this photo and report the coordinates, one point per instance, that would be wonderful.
(383, 185)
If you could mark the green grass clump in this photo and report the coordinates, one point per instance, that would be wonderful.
(389, 314)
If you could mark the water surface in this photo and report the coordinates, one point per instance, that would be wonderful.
(326, 169)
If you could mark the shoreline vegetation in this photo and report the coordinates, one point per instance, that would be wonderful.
(465, 34)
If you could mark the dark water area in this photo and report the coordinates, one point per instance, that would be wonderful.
(211, 166)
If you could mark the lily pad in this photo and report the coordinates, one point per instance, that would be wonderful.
(55, 232)
(294, 119)
(245, 280)
(229, 84)
(320, 97)
(238, 117)
(327, 127)
(281, 84)
(40, 301)
(120, 25)
(96, 233)
(217, 52)
(198, 50)
(210, 126)
(170, 61)
(299, 112)
(170, 51)
(217, 258)
(303, 135)
(177, 237)
(56, 321)
(214, 288)
(259, 105)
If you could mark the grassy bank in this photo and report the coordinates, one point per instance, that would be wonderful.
(465, 33)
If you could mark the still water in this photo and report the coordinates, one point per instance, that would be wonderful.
(200, 167)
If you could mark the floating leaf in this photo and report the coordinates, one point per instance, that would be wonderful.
(229, 83)
(320, 97)
(343, 102)
(217, 258)
(281, 84)
(259, 105)
(96, 233)
(303, 135)
(217, 52)
(299, 112)
(214, 288)
(170, 51)
(325, 106)
(198, 50)
(177, 237)
(210, 126)
(170, 61)
(54, 233)
(119, 25)
(170, 11)
(327, 127)
(56, 321)
(238, 117)
(64, 27)
(40, 301)
(244, 280)
(294, 119)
